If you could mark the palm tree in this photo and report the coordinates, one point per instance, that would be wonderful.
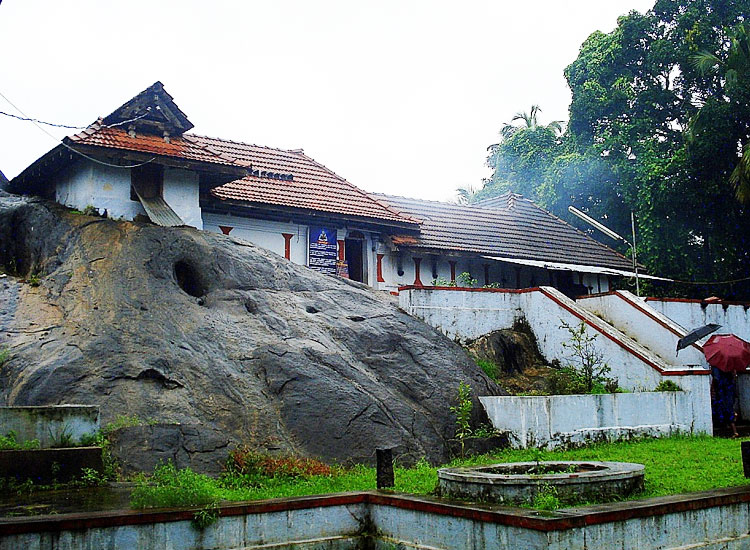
(736, 71)
(530, 122)
(465, 195)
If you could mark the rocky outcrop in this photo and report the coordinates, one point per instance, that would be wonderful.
(190, 327)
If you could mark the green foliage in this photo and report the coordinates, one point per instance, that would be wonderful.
(462, 410)
(33, 279)
(490, 368)
(4, 356)
(654, 132)
(667, 385)
(465, 280)
(673, 466)
(442, 281)
(546, 499)
(170, 487)
(9, 442)
(125, 421)
(586, 371)
(208, 515)
(61, 437)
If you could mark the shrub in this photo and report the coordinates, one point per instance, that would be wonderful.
(667, 385)
(586, 371)
(465, 280)
(4, 356)
(441, 281)
(9, 442)
(462, 410)
(245, 461)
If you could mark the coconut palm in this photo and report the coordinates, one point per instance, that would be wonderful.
(530, 122)
(465, 195)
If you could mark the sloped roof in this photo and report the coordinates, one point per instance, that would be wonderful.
(289, 178)
(185, 147)
(509, 226)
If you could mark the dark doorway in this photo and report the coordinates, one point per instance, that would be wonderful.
(354, 259)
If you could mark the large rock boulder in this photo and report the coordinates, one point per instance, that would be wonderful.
(190, 327)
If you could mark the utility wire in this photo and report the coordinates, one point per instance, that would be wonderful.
(92, 159)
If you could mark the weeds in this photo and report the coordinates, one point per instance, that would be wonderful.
(465, 280)
(9, 442)
(62, 437)
(208, 515)
(586, 371)
(4, 356)
(667, 385)
(546, 498)
(490, 368)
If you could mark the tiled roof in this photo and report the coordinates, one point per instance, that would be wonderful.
(312, 186)
(509, 226)
(185, 147)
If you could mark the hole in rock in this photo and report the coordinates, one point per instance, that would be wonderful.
(356, 318)
(251, 306)
(310, 309)
(188, 279)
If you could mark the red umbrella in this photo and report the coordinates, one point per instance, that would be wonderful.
(727, 352)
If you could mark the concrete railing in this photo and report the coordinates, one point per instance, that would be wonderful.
(51, 424)
(466, 314)
(553, 421)
(734, 317)
(636, 318)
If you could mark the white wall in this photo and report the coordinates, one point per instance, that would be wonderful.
(553, 421)
(636, 318)
(264, 233)
(108, 188)
(733, 318)
(466, 315)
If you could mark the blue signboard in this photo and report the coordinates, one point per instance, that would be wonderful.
(322, 256)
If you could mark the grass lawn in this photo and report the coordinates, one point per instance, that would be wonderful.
(673, 465)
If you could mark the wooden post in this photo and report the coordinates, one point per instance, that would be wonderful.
(384, 468)
(745, 449)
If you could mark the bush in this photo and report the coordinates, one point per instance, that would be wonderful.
(667, 385)
(245, 461)
(586, 371)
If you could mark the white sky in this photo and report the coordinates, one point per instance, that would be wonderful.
(397, 96)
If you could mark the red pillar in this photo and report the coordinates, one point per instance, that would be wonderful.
(380, 268)
(342, 250)
(225, 229)
(453, 269)
(287, 244)
(417, 280)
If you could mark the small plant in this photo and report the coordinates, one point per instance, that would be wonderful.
(208, 515)
(546, 499)
(493, 285)
(62, 437)
(667, 385)
(463, 415)
(9, 442)
(465, 280)
(442, 281)
(490, 368)
(4, 356)
(33, 279)
(586, 371)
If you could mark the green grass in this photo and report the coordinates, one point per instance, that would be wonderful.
(490, 369)
(673, 465)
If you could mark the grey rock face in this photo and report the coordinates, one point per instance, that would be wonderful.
(184, 326)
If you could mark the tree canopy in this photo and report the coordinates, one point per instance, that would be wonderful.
(660, 125)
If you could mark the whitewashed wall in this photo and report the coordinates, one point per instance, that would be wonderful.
(466, 315)
(108, 188)
(267, 234)
(636, 318)
(733, 318)
(553, 421)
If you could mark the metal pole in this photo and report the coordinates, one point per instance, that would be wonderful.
(635, 258)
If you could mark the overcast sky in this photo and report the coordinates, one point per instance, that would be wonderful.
(399, 97)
